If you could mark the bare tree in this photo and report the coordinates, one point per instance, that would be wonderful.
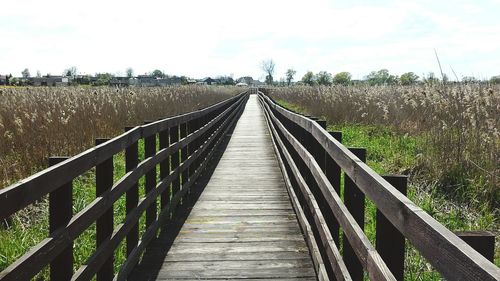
(268, 67)
(289, 76)
(26, 73)
(130, 72)
(71, 72)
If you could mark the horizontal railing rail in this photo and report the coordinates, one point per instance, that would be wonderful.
(313, 159)
(186, 143)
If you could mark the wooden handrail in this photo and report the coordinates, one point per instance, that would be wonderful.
(450, 255)
(212, 123)
(371, 261)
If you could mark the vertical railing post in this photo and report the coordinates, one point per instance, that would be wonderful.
(184, 157)
(354, 200)
(174, 158)
(60, 213)
(184, 174)
(196, 144)
(320, 156)
(390, 243)
(164, 168)
(191, 146)
(199, 140)
(132, 196)
(481, 241)
(332, 172)
(150, 179)
(104, 224)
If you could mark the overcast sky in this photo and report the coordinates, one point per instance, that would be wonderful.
(220, 37)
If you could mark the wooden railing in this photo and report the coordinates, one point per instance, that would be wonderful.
(186, 143)
(312, 161)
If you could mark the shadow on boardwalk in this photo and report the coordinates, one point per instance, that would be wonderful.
(154, 255)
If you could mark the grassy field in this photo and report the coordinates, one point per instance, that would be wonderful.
(40, 122)
(390, 151)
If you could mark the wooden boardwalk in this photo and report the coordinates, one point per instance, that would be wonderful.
(243, 225)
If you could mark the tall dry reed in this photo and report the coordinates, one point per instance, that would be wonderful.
(460, 126)
(38, 122)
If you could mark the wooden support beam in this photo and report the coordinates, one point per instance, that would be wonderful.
(60, 213)
(354, 200)
(104, 224)
(481, 241)
(132, 195)
(150, 179)
(390, 243)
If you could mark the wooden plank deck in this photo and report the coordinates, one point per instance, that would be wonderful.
(243, 225)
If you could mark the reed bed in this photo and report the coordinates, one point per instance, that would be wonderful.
(38, 122)
(459, 126)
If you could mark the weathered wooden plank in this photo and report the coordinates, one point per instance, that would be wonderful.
(238, 273)
(283, 255)
(246, 279)
(271, 205)
(248, 264)
(240, 212)
(238, 219)
(231, 239)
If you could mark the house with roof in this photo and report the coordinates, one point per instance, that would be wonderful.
(245, 79)
(151, 81)
(49, 81)
(249, 81)
(3, 80)
(119, 81)
(207, 81)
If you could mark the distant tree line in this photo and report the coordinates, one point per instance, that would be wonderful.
(374, 78)
(379, 77)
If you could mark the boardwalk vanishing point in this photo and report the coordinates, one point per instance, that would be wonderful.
(243, 225)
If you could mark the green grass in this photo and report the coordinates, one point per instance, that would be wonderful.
(30, 226)
(389, 152)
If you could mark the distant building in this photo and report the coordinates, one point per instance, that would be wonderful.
(3, 79)
(174, 80)
(84, 80)
(49, 81)
(225, 80)
(246, 79)
(249, 81)
(151, 81)
(209, 81)
(146, 81)
(119, 81)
